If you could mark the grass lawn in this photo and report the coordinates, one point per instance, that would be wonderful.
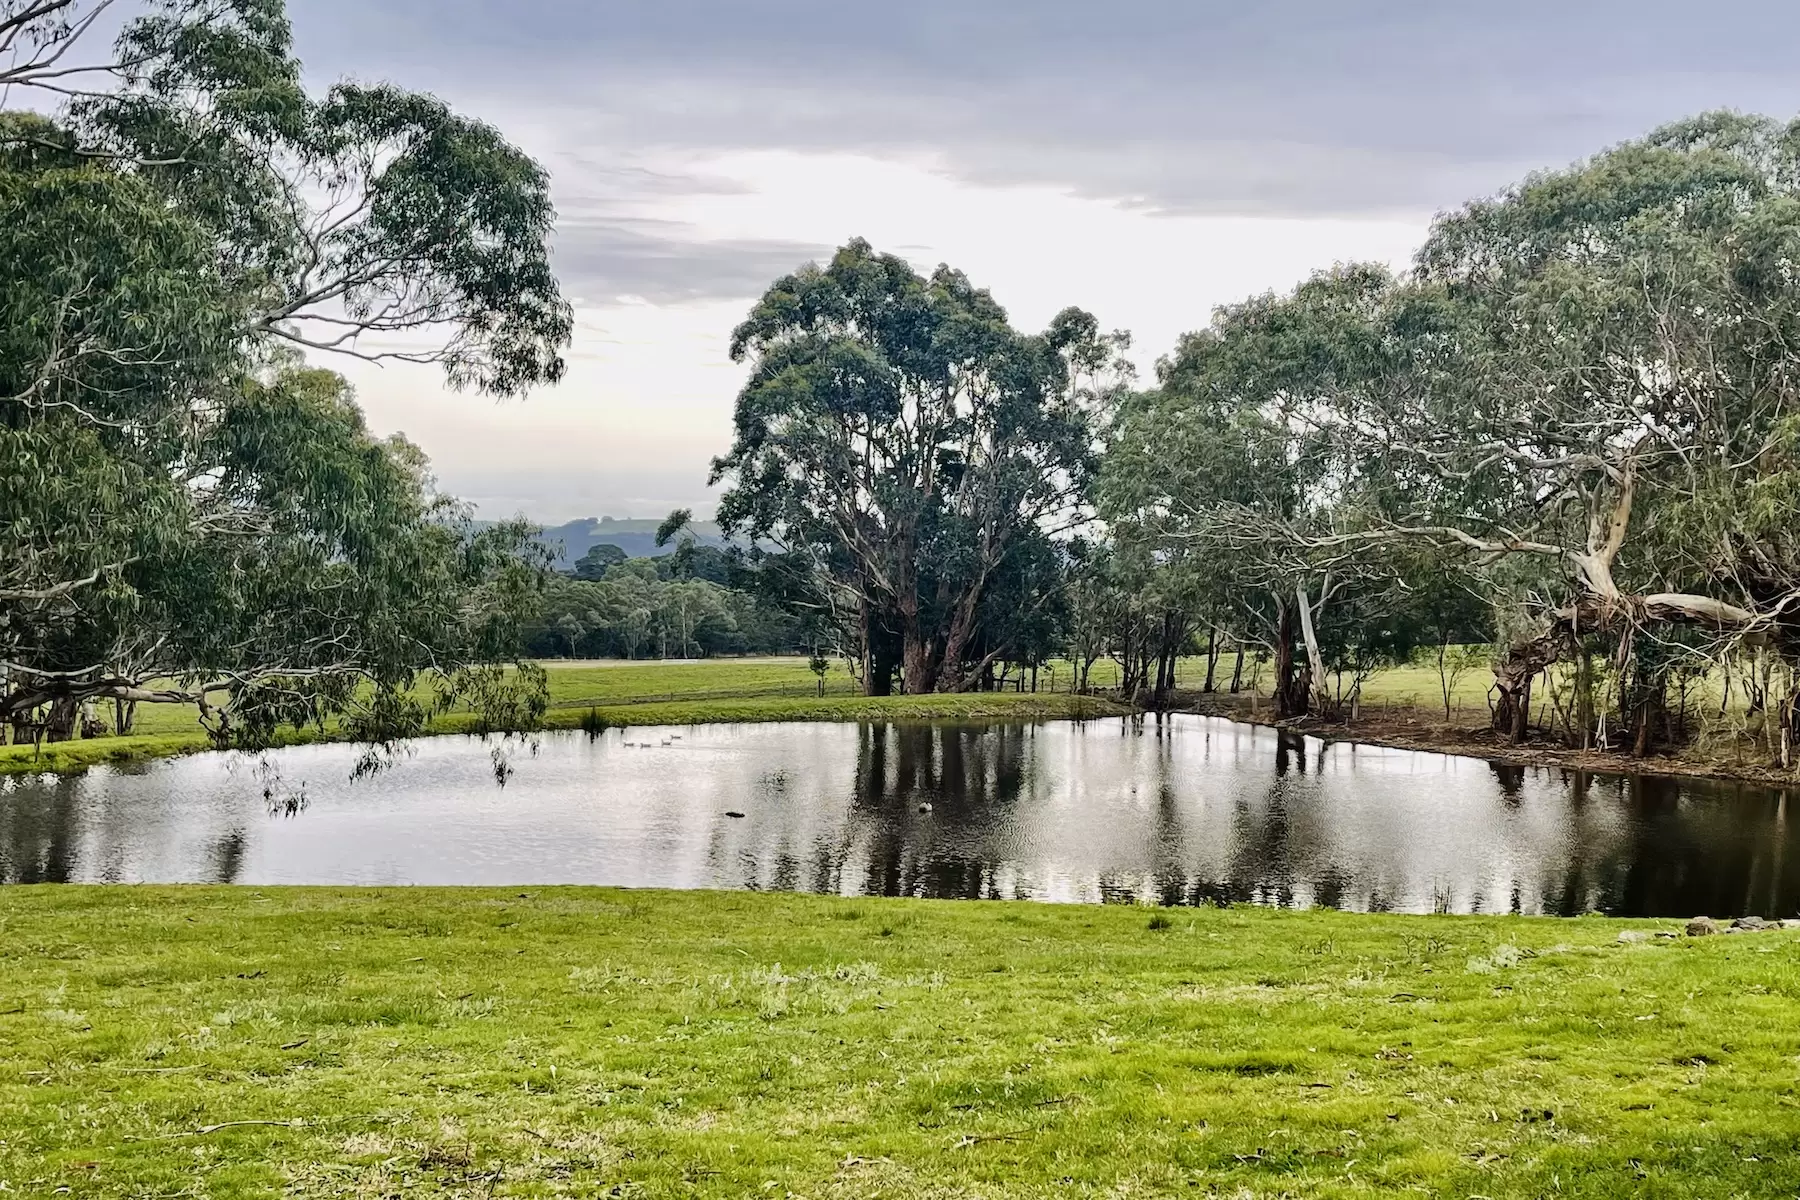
(624, 694)
(311, 1043)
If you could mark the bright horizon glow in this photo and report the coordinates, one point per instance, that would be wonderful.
(648, 398)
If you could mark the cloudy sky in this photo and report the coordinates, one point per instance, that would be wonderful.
(1145, 159)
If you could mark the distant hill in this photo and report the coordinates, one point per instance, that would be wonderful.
(636, 538)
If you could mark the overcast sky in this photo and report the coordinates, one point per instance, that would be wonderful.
(1145, 159)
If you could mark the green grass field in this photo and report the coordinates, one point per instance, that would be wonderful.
(771, 689)
(623, 694)
(164, 1042)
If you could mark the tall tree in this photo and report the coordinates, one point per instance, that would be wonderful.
(902, 439)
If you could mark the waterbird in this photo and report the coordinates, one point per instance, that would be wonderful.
(924, 808)
(733, 813)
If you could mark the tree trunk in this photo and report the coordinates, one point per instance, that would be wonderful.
(1212, 657)
(1443, 674)
(1513, 676)
(1315, 661)
(60, 725)
(1293, 688)
(918, 670)
(880, 680)
(1237, 670)
(866, 634)
(1584, 699)
(956, 641)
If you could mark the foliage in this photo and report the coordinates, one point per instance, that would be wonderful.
(901, 446)
(187, 513)
(593, 565)
(636, 611)
(1577, 410)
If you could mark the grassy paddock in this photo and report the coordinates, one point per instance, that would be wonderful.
(621, 694)
(581, 1042)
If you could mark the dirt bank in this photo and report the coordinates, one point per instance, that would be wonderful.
(1414, 728)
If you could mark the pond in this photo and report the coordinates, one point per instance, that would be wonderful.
(1186, 810)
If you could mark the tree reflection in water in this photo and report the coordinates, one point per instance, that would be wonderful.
(1165, 809)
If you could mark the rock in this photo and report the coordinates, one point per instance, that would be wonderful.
(1634, 935)
(1789, 923)
(1702, 926)
(1751, 924)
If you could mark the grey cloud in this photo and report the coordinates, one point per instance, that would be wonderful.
(606, 177)
(1303, 106)
(604, 258)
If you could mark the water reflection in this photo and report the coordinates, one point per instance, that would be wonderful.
(1178, 810)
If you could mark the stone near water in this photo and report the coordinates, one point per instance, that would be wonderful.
(1750, 924)
(1702, 927)
(1634, 935)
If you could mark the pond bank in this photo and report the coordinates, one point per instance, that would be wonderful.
(535, 1041)
(79, 755)
(1415, 728)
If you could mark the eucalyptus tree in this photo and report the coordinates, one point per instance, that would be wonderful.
(184, 509)
(1590, 384)
(1224, 462)
(901, 440)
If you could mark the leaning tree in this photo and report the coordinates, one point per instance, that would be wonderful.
(1587, 387)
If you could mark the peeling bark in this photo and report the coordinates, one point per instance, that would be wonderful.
(1315, 660)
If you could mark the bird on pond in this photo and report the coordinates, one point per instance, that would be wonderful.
(924, 808)
(733, 813)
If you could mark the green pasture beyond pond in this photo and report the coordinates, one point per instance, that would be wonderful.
(581, 1042)
(757, 689)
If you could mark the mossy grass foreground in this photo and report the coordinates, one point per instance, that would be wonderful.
(584, 1042)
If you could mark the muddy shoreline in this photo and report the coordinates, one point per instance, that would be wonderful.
(1423, 729)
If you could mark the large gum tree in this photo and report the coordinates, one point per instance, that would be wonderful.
(904, 447)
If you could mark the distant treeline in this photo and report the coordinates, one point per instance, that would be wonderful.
(569, 541)
(678, 605)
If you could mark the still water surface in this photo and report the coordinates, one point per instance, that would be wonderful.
(1183, 811)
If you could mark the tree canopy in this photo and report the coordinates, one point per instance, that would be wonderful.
(904, 448)
(1580, 401)
(188, 512)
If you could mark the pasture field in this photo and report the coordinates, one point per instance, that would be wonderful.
(229, 1042)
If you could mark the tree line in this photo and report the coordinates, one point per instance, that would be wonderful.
(1569, 429)
(690, 603)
